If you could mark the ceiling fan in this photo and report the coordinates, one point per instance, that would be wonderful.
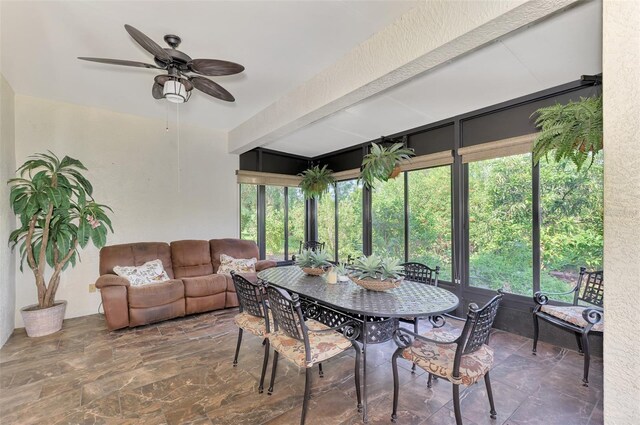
(176, 86)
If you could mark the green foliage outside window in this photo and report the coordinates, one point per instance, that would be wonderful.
(249, 212)
(274, 222)
(349, 220)
(387, 216)
(296, 219)
(327, 221)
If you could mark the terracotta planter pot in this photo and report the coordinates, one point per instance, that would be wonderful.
(44, 321)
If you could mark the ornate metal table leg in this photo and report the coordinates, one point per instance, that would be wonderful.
(365, 417)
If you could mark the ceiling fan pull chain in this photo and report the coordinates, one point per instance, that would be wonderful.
(167, 119)
(178, 135)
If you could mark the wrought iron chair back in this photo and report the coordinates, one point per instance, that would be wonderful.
(288, 317)
(312, 245)
(590, 288)
(478, 325)
(250, 297)
(419, 272)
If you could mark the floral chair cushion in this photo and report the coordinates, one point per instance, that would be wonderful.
(437, 359)
(323, 345)
(252, 324)
(571, 314)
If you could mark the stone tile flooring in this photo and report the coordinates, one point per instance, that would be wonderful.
(179, 372)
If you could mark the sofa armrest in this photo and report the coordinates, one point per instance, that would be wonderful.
(265, 264)
(111, 280)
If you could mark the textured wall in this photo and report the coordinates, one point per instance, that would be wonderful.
(422, 39)
(160, 187)
(621, 72)
(7, 220)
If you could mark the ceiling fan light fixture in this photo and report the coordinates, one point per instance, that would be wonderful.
(174, 91)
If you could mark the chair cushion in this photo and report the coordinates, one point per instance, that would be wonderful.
(202, 286)
(323, 345)
(571, 314)
(252, 324)
(437, 359)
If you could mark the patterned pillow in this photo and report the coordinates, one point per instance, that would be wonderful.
(238, 265)
(149, 272)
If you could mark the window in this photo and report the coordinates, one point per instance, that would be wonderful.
(387, 217)
(349, 219)
(274, 222)
(296, 219)
(249, 212)
(430, 218)
(571, 223)
(500, 224)
(327, 220)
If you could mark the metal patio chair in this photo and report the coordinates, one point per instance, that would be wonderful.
(307, 343)
(582, 320)
(460, 356)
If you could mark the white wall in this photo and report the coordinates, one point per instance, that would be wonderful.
(621, 88)
(7, 220)
(134, 168)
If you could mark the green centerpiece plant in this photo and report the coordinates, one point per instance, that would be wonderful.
(376, 273)
(572, 131)
(316, 181)
(313, 262)
(58, 216)
(383, 163)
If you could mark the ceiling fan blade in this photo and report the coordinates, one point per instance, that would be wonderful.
(156, 91)
(148, 44)
(214, 67)
(120, 62)
(212, 89)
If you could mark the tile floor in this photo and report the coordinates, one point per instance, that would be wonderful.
(179, 372)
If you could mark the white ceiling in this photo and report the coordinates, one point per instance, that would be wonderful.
(281, 43)
(547, 54)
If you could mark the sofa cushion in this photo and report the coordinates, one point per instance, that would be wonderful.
(143, 316)
(236, 248)
(155, 294)
(149, 272)
(135, 254)
(202, 286)
(191, 258)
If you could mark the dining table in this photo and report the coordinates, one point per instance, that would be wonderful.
(375, 313)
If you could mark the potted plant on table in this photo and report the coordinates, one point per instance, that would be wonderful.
(383, 163)
(315, 181)
(313, 263)
(58, 215)
(377, 274)
(572, 131)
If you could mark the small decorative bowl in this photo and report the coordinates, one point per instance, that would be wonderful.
(313, 271)
(377, 284)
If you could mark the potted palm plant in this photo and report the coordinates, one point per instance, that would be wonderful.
(313, 263)
(383, 163)
(58, 215)
(376, 273)
(315, 181)
(572, 131)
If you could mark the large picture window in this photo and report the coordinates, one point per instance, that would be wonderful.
(249, 212)
(571, 222)
(500, 224)
(327, 221)
(430, 218)
(349, 220)
(387, 218)
(274, 222)
(296, 219)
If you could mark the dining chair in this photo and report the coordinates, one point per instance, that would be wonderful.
(461, 356)
(582, 320)
(307, 342)
(422, 273)
(312, 245)
(253, 317)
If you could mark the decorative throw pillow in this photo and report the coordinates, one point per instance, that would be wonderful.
(238, 265)
(149, 272)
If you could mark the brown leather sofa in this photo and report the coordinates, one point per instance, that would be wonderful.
(194, 286)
